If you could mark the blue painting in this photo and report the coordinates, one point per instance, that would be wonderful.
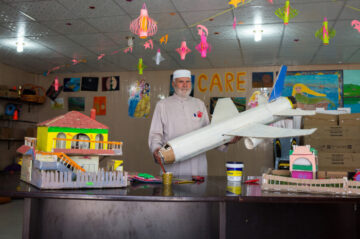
(314, 90)
(352, 90)
(71, 84)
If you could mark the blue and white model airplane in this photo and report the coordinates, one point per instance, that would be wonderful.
(227, 122)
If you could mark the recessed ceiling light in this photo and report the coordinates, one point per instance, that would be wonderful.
(68, 24)
(211, 19)
(92, 7)
(216, 33)
(296, 40)
(172, 13)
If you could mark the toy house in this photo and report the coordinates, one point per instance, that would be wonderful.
(66, 154)
(303, 162)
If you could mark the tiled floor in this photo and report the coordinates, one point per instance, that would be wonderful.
(11, 218)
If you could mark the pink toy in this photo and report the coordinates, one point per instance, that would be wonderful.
(56, 84)
(183, 50)
(143, 26)
(356, 25)
(203, 46)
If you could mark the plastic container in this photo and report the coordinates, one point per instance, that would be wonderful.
(234, 171)
(233, 188)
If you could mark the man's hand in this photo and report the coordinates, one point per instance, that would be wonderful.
(234, 140)
(157, 156)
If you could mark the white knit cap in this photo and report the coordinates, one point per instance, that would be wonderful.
(181, 73)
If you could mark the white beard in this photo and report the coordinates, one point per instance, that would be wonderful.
(182, 93)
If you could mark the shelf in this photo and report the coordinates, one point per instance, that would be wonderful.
(19, 100)
(20, 121)
(11, 140)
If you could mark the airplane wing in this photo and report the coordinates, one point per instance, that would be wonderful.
(265, 131)
(295, 112)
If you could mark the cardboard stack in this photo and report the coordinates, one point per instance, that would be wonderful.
(337, 140)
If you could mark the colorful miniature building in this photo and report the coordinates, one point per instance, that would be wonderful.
(66, 153)
(303, 162)
(357, 175)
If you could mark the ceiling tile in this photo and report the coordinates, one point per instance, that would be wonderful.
(70, 26)
(103, 8)
(110, 24)
(200, 5)
(43, 10)
(153, 6)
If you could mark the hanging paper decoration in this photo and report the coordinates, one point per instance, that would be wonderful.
(235, 2)
(324, 33)
(130, 41)
(164, 39)
(286, 12)
(128, 49)
(141, 66)
(356, 25)
(271, 1)
(234, 23)
(158, 57)
(202, 29)
(56, 84)
(203, 46)
(183, 50)
(143, 26)
(100, 56)
(149, 44)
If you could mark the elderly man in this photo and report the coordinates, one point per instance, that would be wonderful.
(175, 116)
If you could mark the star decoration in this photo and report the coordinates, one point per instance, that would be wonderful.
(235, 2)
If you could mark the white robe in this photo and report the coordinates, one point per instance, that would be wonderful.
(173, 117)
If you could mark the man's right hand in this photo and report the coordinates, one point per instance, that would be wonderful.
(157, 156)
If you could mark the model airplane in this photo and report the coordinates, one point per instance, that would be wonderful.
(227, 122)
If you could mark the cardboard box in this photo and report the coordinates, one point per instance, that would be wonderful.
(338, 161)
(334, 146)
(336, 132)
(331, 174)
(320, 120)
(350, 120)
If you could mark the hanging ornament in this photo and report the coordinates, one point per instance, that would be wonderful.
(235, 2)
(286, 12)
(158, 57)
(183, 50)
(128, 49)
(164, 39)
(141, 66)
(203, 46)
(100, 56)
(149, 44)
(234, 23)
(324, 33)
(130, 41)
(56, 84)
(356, 25)
(143, 26)
(202, 29)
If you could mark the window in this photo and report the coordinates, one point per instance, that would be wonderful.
(79, 144)
(99, 137)
(60, 144)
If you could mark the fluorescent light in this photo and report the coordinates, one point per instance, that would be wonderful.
(258, 35)
(31, 18)
(20, 46)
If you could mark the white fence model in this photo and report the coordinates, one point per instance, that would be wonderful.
(57, 180)
(319, 186)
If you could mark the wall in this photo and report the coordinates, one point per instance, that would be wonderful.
(134, 132)
(10, 77)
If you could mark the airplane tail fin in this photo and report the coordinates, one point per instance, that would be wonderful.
(224, 109)
(279, 84)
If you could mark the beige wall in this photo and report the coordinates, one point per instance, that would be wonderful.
(13, 77)
(134, 132)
